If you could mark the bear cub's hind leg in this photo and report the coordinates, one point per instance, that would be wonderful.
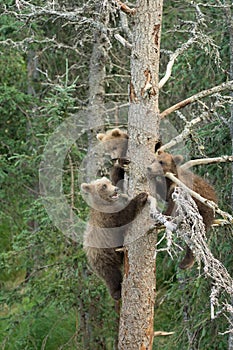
(188, 260)
(111, 274)
(107, 264)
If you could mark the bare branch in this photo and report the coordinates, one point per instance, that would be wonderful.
(220, 222)
(158, 216)
(126, 8)
(124, 42)
(191, 163)
(213, 5)
(158, 333)
(125, 25)
(187, 130)
(192, 229)
(23, 44)
(196, 97)
(36, 11)
(203, 200)
(173, 57)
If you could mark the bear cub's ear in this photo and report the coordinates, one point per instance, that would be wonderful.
(178, 159)
(100, 136)
(86, 187)
(116, 133)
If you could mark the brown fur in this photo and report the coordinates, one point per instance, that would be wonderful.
(166, 162)
(109, 218)
(115, 144)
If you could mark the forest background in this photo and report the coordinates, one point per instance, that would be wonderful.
(48, 60)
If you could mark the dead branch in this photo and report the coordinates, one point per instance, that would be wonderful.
(191, 163)
(158, 216)
(163, 222)
(122, 40)
(126, 8)
(179, 138)
(50, 43)
(213, 5)
(203, 200)
(37, 11)
(192, 229)
(220, 222)
(125, 25)
(173, 57)
(209, 112)
(196, 97)
(159, 333)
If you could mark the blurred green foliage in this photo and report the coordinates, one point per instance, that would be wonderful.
(49, 298)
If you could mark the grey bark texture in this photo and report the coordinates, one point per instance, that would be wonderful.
(229, 18)
(97, 72)
(96, 103)
(138, 290)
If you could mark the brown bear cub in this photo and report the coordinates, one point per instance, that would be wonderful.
(166, 162)
(110, 215)
(115, 143)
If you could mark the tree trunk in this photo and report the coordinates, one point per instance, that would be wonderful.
(97, 76)
(229, 18)
(95, 123)
(138, 290)
(230, 24)
(97, 72)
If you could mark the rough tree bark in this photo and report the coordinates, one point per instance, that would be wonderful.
(95, 124)
(97, 76)
(97, 73)
(138, 290)
(229, 18)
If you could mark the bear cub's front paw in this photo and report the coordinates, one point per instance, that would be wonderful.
(142, 197)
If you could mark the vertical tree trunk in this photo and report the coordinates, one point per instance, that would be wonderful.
(229, 18)
(138, 290)
(97, 75)
(97, 71)
(230, 24)
(95, 124)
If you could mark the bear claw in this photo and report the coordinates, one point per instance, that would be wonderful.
(142, 197)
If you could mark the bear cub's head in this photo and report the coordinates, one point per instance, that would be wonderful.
(115, 143)
(101, 189)
(102, 195)
(163, 163)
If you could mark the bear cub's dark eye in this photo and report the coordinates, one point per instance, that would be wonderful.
(104, 187)
(161, 162)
